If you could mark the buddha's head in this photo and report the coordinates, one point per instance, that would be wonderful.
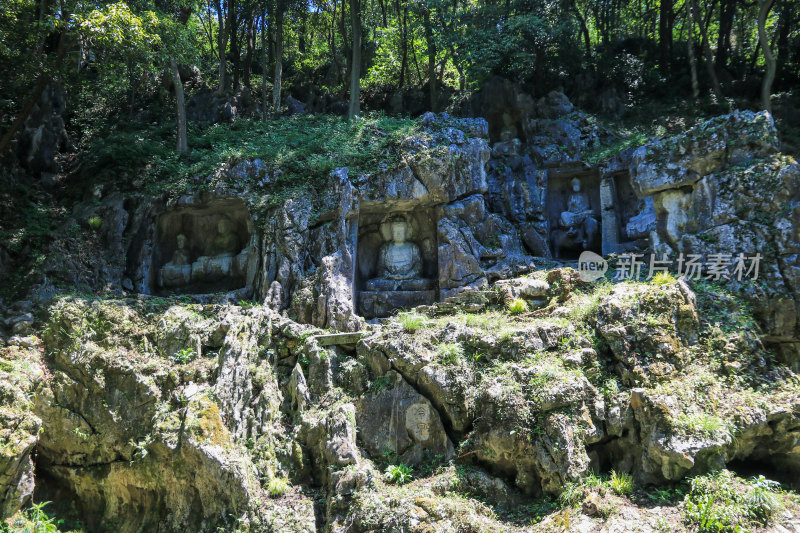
(182, 240)
(224, 226)
(576, 184)
(399, 229)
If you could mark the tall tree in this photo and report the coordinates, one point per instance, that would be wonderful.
(665, 19)
(727, 10)
(355, 69)
(180, 108)
(764, 7)
(706, 48)
(264, 67)
(278, 77)
(251, 42)
(222, 44)
(689, 22)
(432, 81)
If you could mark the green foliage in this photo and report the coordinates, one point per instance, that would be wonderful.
(571, 495)
(517, 306)
(722, 503)
(380, 383)
(95, 222)
(277, 487)
(605, 152)
(412, 321)
(620, 482)
(450, 352)
(663, 278)
(399, 474)
(762, 500)
(186, 355)
(708, 425)
(35, 519)
(304, 148)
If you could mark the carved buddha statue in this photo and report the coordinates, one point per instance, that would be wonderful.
(399, 263)
(226, 242)
(181, 255)
(177, 271)
(579, 220)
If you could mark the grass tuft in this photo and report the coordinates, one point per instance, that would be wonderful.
(412, 321)
(517, 306)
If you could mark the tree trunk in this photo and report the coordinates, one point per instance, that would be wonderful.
(403, 45)
(432, 79)
(276, 87)
(265, 68)
(665, 17)
(210, 30)
(764, 7)
(727, 10)
(785, 26)
(355, 70)
(348, 52)
(690, 50)
(587, 41)
(709, 58)
(180, 108)
(251, 43)
(222, 45)
(233, 24)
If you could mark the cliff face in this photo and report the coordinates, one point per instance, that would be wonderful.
(243, 410)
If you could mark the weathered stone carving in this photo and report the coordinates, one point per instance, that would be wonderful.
(399, 261)
(397, 272)
(178, 270)
(226, 242)
(578, 225)
(224, 260)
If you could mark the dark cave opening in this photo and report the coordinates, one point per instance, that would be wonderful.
(63, 505)
(772, 468)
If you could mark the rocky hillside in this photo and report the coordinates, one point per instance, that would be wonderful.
(522, 398)
(139, 414)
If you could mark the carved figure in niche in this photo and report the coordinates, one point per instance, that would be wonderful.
(225, 260)
(579, 222)
(177, 271)
(181, 255)
(399, 264)
(226, 242)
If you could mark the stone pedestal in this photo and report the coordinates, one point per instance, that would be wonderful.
(384, 303)
(175, 276)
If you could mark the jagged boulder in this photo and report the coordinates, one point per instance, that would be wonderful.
(721, 142)
(648, 330)
(398, 419)
(20, 378)
(722, 190)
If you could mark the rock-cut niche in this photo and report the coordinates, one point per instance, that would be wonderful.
(397, 265)
(574, 213)
(203, 249)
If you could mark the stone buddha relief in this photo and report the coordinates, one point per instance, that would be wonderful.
(399, 263)
(223, 259)
(578, 223)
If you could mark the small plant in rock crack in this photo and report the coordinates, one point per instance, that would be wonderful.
(762, 501)
(621, 483)
(184, 356)
(450, 352)
(399, 474)
(412, 321)
(517, 306)
(277, 487)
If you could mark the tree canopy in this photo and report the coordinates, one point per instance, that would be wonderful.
(116, 59)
